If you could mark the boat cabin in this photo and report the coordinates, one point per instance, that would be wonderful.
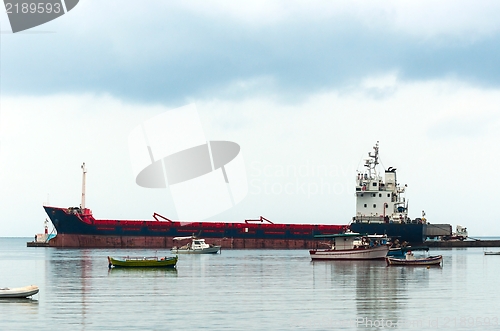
(195, 244)
(199, 244)
(346, 241)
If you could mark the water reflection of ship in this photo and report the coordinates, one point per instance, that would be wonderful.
(380, 293)
(385, 294)
(63, 267)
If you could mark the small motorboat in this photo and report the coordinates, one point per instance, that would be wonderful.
(142, 262)
(196, 246)
(491, 253)
(411, 260)
(18, 292)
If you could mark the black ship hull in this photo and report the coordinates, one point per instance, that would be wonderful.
(413, 233)
(79, 228)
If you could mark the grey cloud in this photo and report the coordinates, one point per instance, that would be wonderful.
(188, 56)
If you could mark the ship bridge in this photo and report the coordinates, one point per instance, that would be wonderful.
(379, 199)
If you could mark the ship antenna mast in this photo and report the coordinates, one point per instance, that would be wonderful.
(372, 164)
(84, 172)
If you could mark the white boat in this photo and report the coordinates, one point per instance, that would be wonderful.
(18, 292)
(352, 246)
(411, 260)
(195, 246)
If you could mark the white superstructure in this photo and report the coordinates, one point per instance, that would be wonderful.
(380, 199)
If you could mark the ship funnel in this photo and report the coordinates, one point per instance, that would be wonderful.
(390, 179)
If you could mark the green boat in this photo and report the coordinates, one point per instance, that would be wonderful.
(142, 262)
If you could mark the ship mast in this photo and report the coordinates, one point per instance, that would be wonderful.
(372, 163)
(84, 172)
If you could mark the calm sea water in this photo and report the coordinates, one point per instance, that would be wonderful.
(246, 290)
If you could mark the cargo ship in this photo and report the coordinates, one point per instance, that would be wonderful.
(381, 208)
(76, 227)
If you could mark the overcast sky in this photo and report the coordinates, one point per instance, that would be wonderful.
(305, 88)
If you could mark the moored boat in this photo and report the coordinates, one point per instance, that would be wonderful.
(195, 246)
(400, 252)
(411, 260)
(142, 262)
(352, 246)
(491, 253)
(18, 292)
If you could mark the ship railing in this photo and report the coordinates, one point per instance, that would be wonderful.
(363, 188)
(379, 220)
(74, 210)
(370, 219)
